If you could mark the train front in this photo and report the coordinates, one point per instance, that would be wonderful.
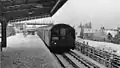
(62, 37)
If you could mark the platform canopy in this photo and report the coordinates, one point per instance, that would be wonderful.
(21, 10)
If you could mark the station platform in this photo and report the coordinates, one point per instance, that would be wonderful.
(27, 52)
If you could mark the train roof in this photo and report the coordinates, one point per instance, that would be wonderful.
(49, 27)
(61, 24)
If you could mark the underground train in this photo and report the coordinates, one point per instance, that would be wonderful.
(58, 37)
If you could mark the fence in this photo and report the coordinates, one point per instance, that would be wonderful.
(103, 57)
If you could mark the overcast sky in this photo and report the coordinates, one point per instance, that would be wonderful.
(101, 12)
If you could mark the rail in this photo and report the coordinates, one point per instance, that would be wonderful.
(87, 63)
(62, 65)
(70, 61)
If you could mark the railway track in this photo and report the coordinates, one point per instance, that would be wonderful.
(65, 62)
(60, 62)
(72, 60)
(87, 63)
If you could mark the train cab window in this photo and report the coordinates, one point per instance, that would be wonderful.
(63, 32)
(55, 31)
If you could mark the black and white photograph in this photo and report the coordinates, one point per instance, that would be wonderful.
(59, 34)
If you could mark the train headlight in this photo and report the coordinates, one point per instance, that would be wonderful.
(55, 43)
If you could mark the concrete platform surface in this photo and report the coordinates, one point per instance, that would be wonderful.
(27, 52)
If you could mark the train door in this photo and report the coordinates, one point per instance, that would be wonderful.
(44, 35)
(47, 36)
(63, 33)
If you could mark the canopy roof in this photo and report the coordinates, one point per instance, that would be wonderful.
(20, 10)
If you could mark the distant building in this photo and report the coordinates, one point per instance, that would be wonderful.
(118, 28)
(113, 32)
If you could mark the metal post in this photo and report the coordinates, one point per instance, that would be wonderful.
(4, 38)
(3, 22)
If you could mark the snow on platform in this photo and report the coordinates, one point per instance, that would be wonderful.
(27, 52)
(110, 47)
(29, 41)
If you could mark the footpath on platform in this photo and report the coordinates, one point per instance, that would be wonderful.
(27, 52)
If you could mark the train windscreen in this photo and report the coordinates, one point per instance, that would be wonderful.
(63, 32)
(55, 33)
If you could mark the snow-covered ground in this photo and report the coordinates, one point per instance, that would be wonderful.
(27, 52)
(110, 47)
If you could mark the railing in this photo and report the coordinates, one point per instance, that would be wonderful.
(103, 57)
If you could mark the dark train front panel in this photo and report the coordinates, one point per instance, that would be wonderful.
(59, 37)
